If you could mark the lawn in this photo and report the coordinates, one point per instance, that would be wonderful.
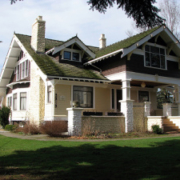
(136, 159)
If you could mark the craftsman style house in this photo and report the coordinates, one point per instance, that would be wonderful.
(41, 77)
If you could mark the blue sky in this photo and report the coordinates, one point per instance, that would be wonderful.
(64, 19)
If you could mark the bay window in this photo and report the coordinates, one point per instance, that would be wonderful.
(15, 101)
(83, 95)
(23, 99)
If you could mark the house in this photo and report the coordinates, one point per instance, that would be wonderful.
(42, 79)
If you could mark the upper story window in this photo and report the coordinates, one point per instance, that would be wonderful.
(155, 57)
(21, 55)
(71, 55)
(22, 70)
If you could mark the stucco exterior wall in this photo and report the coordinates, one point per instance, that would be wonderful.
(103, 124)
(63, 99)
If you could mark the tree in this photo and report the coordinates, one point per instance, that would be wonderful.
(4, 116)
(142, 11)
(170, 11)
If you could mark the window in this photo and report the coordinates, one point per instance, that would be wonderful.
(17, 73)
(9, 103)
(24, 69)
(75, 56)
(83, 96)
(71, 55)
(49, 94)
(15, 101)
(143, 96)
(155, 57)
(23, 98)
(67, 55)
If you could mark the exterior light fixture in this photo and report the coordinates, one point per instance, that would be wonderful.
(143, 85)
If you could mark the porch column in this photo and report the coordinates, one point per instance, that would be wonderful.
(147, 108)
(167, 109)
(74, 121)
(127, 105)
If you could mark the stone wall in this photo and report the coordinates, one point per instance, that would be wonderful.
(115, 124)
(37, 96)
(139, 120)
(154, 120)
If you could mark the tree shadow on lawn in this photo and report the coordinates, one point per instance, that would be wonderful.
(93, 162)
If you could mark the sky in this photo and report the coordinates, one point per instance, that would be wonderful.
(64, 19)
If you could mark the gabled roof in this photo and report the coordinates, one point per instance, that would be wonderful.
(127, 46)
(124, 43)
(51, 67)
(74, 40)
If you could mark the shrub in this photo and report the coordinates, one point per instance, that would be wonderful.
(10, 127)
(156, 129)
(30, 128)
(54, 128)
(4, 116)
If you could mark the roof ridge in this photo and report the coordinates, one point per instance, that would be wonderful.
(129, 37)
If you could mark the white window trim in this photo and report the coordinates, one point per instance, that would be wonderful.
(19, 63)
(159, 46)
(72, 51)
(72, 87)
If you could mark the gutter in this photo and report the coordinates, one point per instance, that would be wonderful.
(104, 57)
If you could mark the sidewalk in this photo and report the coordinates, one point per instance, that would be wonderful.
(44, 137)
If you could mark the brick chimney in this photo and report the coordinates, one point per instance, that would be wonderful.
(38, 35)
(102, 41)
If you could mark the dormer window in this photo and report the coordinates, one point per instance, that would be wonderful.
(155, 57)
(71, 55)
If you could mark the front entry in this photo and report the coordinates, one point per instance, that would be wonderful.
(118, 98)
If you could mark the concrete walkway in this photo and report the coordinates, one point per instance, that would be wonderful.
(44, 137)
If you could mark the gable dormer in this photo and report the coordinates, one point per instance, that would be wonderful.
(72, 51)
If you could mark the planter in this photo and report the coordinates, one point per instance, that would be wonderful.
(92, 113)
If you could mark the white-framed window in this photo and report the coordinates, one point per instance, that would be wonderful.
(49, 94)
(15, 101)
(71, 55)
(24, 69)
(23, 100)
(155, 57)
(17, 72)
(83, 96)
(9, 102)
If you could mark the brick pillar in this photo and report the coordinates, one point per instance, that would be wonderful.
(167, 109)
(147, 108)
(74, 121)
(127, 105)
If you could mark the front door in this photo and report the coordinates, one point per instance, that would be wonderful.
(118, 97)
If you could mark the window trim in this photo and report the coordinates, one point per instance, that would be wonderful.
(49, 94)
(15, 109)
(93, 95)
(139, 96)
(71, 51)
(20, 101)
(158, 46)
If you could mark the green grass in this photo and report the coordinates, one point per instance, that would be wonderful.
(136, 159)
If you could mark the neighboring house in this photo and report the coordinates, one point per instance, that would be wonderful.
(41, 77)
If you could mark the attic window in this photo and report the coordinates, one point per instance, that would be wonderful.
(71, 55)
(155, 57)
